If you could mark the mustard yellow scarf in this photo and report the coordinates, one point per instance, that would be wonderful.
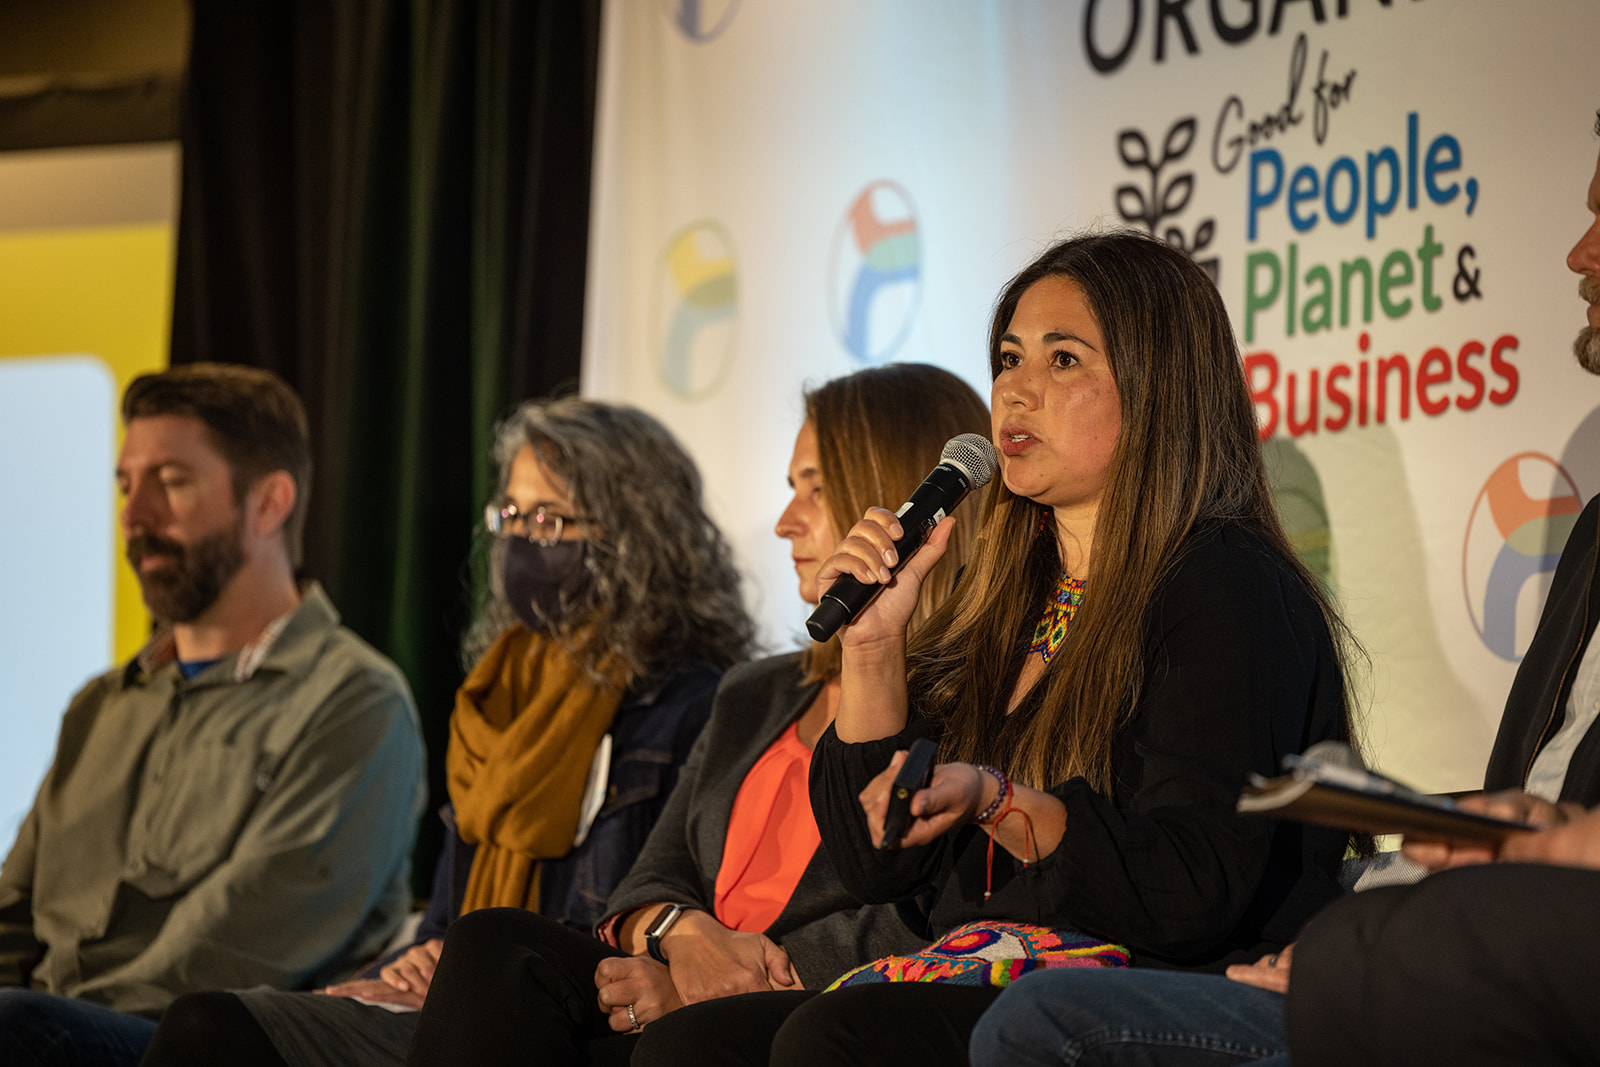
(526, 724)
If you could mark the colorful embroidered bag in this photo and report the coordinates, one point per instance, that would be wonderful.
(989, 954)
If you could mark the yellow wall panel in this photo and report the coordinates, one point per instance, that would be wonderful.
(103, 292)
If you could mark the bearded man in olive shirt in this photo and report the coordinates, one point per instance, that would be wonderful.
(236, 805)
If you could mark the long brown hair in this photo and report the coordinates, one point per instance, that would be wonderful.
(1187, 454)
(879, 433)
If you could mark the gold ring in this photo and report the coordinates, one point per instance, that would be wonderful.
(633, 1020)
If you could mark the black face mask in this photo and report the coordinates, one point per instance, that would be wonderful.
(533, 576)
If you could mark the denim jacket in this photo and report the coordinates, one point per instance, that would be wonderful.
(651, 736)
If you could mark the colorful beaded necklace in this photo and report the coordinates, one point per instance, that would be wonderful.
(1058, 616)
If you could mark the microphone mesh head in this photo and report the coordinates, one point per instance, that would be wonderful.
(973, 455)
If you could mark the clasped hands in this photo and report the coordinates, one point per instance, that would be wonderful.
(708, 961)
(711, 961)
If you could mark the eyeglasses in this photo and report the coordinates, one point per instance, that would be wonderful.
(542, 527)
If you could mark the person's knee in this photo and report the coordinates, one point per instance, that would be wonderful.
(1045, 1015)
(492, 936)
(674, 1040)
(477, 930)
(989, 1044)
(1097, 1016)
(27, 1010)
(42, 1028)
(1009, 1029)
(203, 1011)
(17, 1004)
(844, 1027)
(28, 1029)
(193, 1028)
(1361, 958)
(731, 1031)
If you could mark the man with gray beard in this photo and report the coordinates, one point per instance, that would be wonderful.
(236, 805)
(1492, 963)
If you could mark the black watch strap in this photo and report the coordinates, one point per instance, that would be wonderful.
(658, 928)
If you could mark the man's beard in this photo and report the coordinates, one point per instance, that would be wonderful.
(1587, 346)
(191, 583)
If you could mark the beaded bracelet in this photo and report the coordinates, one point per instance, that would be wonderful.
(1000, 797)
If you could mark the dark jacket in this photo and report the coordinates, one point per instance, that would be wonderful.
(824, 929)
(651, 737)
(1239, 670)
(1538, 700)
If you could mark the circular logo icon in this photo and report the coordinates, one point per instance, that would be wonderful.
(875, 273)
(1302, 506)
(700, 20)
(696, 310)
(1515, 532)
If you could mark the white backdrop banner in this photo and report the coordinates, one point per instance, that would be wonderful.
(1383, 190)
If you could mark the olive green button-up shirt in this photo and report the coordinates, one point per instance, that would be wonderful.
(251, 825)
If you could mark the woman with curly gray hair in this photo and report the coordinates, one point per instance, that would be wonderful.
(653, 566)
(613, 609)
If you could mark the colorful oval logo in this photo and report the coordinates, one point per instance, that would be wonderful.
(1518, 526)
(696, 310)
(700, 20)
(875, 273)
(1302, 506)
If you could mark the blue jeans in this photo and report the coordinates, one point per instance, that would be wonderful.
(1130, 1017)
(44, 1030)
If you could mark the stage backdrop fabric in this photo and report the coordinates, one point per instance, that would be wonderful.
(1383, 190)
(386, 202)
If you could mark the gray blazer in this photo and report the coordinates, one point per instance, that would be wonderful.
(825, 930)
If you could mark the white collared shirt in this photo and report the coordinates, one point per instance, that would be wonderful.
(1549, 769)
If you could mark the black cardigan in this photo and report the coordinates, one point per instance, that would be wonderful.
(1239, 670)
(1538, 699)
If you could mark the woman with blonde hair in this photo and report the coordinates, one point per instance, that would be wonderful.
(1132, 638)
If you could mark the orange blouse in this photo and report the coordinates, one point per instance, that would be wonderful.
(772, 836)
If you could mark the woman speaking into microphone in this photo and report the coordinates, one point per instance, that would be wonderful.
(1132, 637)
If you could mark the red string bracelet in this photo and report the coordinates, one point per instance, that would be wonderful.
(1027, 839)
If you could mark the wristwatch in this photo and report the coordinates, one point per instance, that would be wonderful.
(658, 929)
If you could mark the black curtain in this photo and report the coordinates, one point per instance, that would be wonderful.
(386, 202)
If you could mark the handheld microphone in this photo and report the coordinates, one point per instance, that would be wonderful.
(967, 463)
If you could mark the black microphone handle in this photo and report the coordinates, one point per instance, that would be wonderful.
(935, 498)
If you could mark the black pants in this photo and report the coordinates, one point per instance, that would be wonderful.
(516, 988)
(1485, 965)
(200, 1029)
(911, 1023)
